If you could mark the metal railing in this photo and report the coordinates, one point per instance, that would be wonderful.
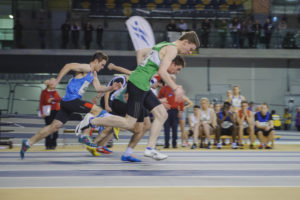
(4, 97)
(13, 99)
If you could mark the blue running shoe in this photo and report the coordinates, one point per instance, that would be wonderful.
(24, 148)
(86, 140)
(130, 159)
(101, 128)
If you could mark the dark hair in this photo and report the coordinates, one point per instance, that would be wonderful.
(192, 37)
(273, 112)
(265, 104)
(196, 106)
(179, 60)
(226, 103)
(99, 55)
(244, 102)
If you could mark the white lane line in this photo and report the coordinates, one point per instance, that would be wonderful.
(133, 187)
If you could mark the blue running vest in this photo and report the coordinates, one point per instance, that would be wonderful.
(77, 87)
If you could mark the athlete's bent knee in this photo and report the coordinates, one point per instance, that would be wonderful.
(55, 125)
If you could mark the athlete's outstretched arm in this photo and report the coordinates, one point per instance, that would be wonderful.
(85, 68)
(106, 104)
(112, 66)
(190, 103)
(99, 88)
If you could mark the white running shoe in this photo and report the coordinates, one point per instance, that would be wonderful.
(155, 154)
(84, 124)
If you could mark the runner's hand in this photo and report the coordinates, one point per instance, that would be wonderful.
(116, 86)
(111, 66)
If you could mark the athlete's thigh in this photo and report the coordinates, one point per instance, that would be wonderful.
(136, 98)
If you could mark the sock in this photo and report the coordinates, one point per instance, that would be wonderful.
(27, 143)
(128, 151)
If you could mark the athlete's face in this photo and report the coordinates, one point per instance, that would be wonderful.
(100, 65)
(174, 69)
(187, 47)
(226, 108)
(236, 90)
(244, 106)
(217, 107)
(229, 93)
(204, 104)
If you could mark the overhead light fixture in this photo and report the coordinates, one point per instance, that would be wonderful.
(11, 16)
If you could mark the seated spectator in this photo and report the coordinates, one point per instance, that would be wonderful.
(217, 107)
(250, 106)
(192, 119)
(182, 26)
(245, 121)
(298, 119)
(287, 119)
(264, 127)
(226, 125)
(276, 120)
(172, 26)
(206, 124)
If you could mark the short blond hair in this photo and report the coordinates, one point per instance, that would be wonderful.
(191, 37)
(204, 99)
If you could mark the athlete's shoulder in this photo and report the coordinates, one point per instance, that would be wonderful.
(80, 67)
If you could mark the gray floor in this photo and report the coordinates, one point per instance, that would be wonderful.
(201, 168)
(182, 168)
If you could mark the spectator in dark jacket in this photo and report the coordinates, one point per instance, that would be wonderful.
(257, 32)
(268, 30)
(65, 31)
(88, 34)
(205, 30)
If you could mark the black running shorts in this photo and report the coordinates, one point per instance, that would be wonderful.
(137, 99)
(69, 107)
(120, 108)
